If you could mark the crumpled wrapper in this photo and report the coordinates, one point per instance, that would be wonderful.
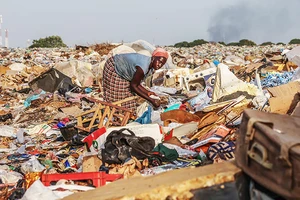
(31, 177)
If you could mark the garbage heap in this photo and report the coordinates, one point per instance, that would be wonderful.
(58, 136)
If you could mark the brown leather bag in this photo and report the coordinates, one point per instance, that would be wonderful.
(268, 150)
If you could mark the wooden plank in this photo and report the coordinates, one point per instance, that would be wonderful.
(86, 120)
(125, 119)
(238, 190)
(109, 104)
(79, 121)
(100, 115)
(86, 112)
(125, 100)
(116, 124)
(175, 184)
(105, 114)
(113, 110)
(119, 115)
(94, 117)
(82, 128)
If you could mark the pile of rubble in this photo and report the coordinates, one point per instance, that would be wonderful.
(57, 130)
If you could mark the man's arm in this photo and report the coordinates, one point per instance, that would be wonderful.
(135, 86)
(143, 89)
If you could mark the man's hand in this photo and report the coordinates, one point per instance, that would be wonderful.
(155, 102)
(151, 93)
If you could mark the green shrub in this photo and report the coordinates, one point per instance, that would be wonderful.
(266, 43)
(245, 42)
(48, 42)
(295, 41)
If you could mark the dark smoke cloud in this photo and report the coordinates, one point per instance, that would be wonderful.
(260, 21)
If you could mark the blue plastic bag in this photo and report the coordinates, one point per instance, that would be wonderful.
(146, 117)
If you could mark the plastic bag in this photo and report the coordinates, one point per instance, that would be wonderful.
(7, 131)
(296, 75)
(32, 165)
(10, 177)
(146, 117)
(38, 191)
(158, 169)
(200, 101)
(141, 45)
(95, 140)
(82, 71)
(182, 152)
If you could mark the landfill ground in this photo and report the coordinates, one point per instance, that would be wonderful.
(55, 126)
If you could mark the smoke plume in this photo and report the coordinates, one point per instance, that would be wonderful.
(260, 21)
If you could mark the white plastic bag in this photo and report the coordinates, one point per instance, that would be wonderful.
(32, 165)
(38, 191)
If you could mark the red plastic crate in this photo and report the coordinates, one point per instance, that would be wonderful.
(98, 178)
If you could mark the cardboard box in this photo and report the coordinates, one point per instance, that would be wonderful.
(289, 89)
(284, 97)
(283, 105)
(91, 163)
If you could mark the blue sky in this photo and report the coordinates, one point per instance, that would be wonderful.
(161, 22)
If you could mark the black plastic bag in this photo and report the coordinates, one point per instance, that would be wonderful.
(51, 81)
(119, 146)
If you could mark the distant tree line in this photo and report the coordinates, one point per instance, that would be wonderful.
(56, 42)
(48, 42)
(243, 42)
(190, 44)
